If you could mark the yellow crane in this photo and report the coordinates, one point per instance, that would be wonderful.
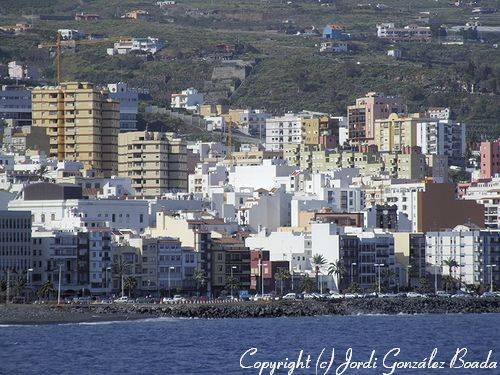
(58, 45)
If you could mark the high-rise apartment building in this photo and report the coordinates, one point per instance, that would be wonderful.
(82, 123)
(490, 158)
(155, 161)
(320, 133)
(15, 241)
(362, 115)
(396, 132)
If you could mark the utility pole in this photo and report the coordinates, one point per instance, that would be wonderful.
(8, 287)
(59, 286)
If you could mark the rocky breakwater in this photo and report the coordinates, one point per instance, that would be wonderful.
(310, 308)
(41, 314)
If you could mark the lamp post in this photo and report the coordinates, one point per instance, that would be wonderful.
(106, 279)
(169, 292)
(491, 266)
(352, 269)
(59, 286)
(408, 276)
(28, 280)
(261, 268)
(379, 265)
(232, 268)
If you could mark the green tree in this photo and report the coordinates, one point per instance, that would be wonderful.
(200, 279)
(130, 284)
(232, 283)
(424, 286)
(46, 290)
(338, 270)
(20, 286)
(121, 268)
(318, 261)
(282, 275)
(353, 288)
(307, 284)
(451, 264)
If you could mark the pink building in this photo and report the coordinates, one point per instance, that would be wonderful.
(490, 158)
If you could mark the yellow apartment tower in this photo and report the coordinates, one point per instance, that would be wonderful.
(82, 123)
(155, 161)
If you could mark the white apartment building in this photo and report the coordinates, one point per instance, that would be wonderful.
(404, 196)
(129, 104)
(189, 99)
(272, 173)
(264, 210)
(487, 193)
(71, 34)
(473, 250)
(146, 45)
(283, 130)
(253, 121)
(18, 70)
(284, 244)
(205, 177)
(440, 113)
(442, 137)
(56, 206)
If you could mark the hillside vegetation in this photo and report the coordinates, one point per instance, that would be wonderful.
(291, 74)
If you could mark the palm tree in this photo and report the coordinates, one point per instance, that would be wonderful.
(232, 283)
(338, 270)
(281, 275)
(46, 289)
(20, 286)
(42, 171)
(130, 284)
(200, 278)
(318, 261)
(307, 284)
(389, 275)
(121, 267)
(450, 263)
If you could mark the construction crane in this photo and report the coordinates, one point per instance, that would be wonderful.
(60, 43)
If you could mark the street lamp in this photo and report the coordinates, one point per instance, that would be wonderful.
(352, 269)
(169, 269)
(491, 266)
(408, 275)
(28, 281)
(106, 279)
(232, 268)
(379, 265)
(59, 285)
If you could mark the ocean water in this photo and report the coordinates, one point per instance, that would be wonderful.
(199, 346)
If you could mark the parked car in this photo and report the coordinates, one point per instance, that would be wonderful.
(351, 295)
(291, 296)
(178, 299)
(489, 295)
(414, 295)
(123, 299)
(461, 294)
(443, 294)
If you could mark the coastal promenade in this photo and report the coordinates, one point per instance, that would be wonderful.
(52, 314)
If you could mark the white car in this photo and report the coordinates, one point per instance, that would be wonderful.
(292, 296)
(443, 294)
(123, 299)
(414, 295)
(178, 299)
(335, 296)
(351, 295)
